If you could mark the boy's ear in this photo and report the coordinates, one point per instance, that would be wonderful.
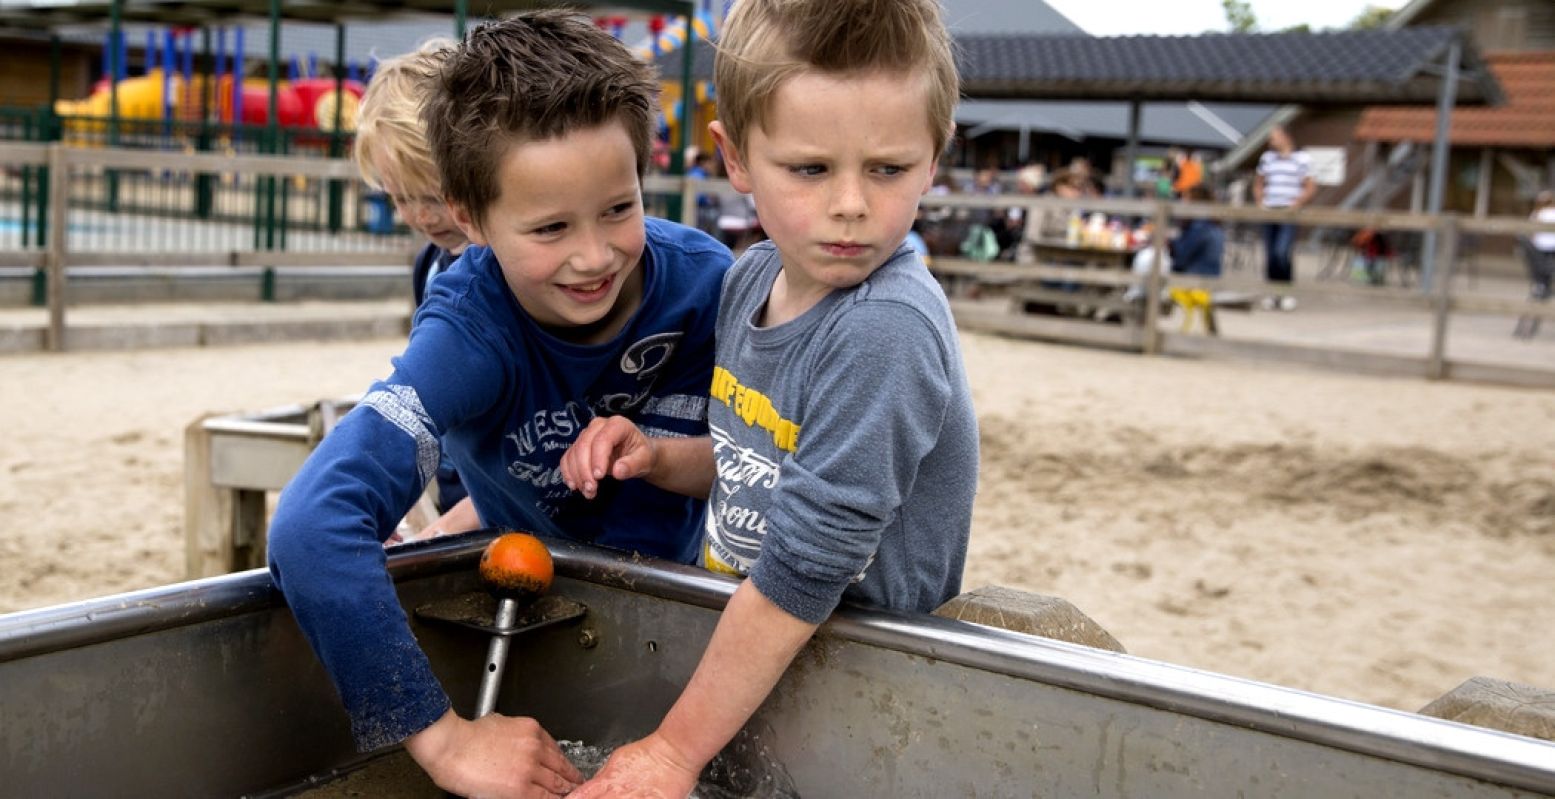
(734, 165)
(466, 223)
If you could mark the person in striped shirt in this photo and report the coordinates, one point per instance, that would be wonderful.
(1284, 181)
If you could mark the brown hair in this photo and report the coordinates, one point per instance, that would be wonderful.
(765, 43)
(389, 122)
(535, 76)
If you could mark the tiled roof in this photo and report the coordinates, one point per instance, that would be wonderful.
(1371, 66)
(1342, 67)
(1526, 120)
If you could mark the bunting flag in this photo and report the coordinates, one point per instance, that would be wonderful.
(673, 36)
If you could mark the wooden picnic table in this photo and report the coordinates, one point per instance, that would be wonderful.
(1062, 253)
(1105, 303)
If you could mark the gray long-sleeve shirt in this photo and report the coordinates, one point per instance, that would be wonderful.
(845, 442)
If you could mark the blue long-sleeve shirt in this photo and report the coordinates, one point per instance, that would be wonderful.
(1198, 249)
(506, 398)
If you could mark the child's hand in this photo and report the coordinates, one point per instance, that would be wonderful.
(495, 756)
(647, 769)
(610, 446)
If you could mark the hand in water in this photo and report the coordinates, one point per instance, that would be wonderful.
(646, 769)
(493, 756)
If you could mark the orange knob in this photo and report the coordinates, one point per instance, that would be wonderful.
(517, 566)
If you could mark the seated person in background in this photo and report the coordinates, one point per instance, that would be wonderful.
(1372, 249)
(392, 154)
(1539, 251)
(1050, 224)
(843, 455)
(1200, 243)
(704, 167)
(568, 305)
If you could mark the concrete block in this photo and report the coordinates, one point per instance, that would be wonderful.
(1030, 613)
(131, 337)
(1498, 705)
(22, 339)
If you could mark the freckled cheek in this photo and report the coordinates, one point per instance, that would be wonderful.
(793, 216)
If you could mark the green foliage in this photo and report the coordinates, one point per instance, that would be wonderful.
(1239, 16)
(1370, 17)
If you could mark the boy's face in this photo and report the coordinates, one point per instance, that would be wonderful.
(836, 172)
(567, 228)
(423, 210)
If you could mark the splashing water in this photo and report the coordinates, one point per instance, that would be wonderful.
(723, 779)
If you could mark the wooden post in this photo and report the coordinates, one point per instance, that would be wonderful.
(59, 225)
(1487, 167)
(689, 187)
(224, 528)
(1446, 257)
(248, 530)
(1156, 279)
(207, 509)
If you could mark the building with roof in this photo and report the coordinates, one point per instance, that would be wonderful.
(1500, 157)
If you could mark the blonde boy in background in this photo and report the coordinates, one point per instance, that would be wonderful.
(843, 452)
(393, 156)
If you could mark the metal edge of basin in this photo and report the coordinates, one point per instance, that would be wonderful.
(1474, 752)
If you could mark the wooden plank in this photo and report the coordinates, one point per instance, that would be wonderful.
(1024, 294)
(248, 530)
(180, 260)
(1033, 272)
(212, 163)
(1519, 376)
(971, 317)
(256, 462)
(34, 260)
(387, 258)
(1349, 360)
(1506, 226)
(23, 154)
(1503, 307)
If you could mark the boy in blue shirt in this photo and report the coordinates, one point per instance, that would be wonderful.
(567, 306)
(842, 459)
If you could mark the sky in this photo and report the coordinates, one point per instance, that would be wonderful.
(1124, 17)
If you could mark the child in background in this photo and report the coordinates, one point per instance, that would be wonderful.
(568, 305)
(1539, 251)
(392, 154)
(843, 453)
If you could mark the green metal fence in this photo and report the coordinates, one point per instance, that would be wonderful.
(275, 209)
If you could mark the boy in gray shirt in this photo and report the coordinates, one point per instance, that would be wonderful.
(842, 460)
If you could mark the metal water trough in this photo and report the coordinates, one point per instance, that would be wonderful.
(207, 689)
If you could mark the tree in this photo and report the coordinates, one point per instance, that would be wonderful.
(1239, 16)
(1370, 18)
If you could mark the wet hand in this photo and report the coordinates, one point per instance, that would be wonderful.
(647, 769)
(495, 757)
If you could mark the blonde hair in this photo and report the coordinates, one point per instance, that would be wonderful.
(765, 43)
(389, 123)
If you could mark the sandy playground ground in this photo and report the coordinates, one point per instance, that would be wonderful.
(1375, 539)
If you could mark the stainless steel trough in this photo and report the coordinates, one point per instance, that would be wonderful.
(206, 689)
